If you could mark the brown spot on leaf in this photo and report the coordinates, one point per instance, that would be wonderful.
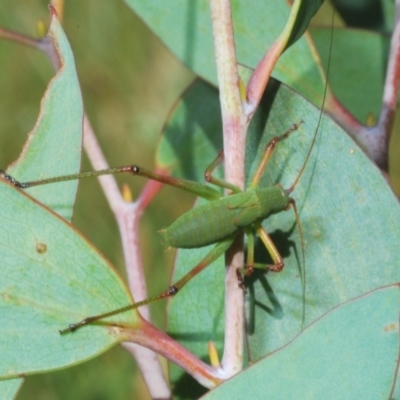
(390, 327)
(41, 248)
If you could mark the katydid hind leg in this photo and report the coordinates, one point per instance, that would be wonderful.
(218, 250)
(10, 179)
(196, 188)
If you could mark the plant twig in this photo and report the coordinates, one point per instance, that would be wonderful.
(128, 216)
(234, 133)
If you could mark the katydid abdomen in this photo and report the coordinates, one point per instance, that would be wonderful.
(211, 222)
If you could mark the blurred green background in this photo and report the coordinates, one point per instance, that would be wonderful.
(129, 83)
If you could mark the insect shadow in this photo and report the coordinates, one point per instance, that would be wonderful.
(259, 278)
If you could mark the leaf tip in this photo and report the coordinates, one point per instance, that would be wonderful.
(53, 11)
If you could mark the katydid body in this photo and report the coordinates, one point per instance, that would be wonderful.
(211, 222)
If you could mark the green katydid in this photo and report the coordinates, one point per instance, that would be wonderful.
(217, 222)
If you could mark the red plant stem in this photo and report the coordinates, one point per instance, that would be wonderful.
(260, 77)
(147, 335)
(18, 38)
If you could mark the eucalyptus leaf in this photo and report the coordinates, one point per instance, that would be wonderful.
(9, 389)
(355, 82)
(333, 358)
(51, 277)
(53, 147)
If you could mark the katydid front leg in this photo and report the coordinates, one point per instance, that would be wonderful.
(215, 181)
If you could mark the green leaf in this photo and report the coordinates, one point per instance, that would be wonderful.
(51, 277)
(193, 135)
(351, 352)
(349, 217)
(185, 27)
(355, 81)
(340, 196)
(307, 10)
(54, 146)
(9, 389)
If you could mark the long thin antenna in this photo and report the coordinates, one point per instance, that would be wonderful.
(290, 190)
(303, 259)
(293, 203)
